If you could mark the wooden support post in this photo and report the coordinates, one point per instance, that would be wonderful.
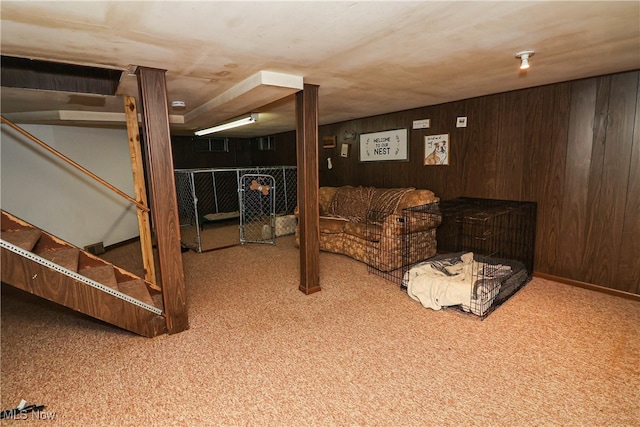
(159, 159)
(131, 113)
(308, 184)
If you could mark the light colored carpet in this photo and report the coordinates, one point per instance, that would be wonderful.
(213, 236)
(360, 352)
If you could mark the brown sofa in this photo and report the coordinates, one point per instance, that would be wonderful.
(366, 224)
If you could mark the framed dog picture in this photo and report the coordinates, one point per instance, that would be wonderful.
(436, 149)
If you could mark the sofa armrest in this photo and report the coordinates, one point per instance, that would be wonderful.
(394, 224)
(325, 196)
(416, 198)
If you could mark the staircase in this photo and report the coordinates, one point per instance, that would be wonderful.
(44, 265)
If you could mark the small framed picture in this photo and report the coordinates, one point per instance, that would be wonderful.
(344, 150)
(329, 141)
(436, 149)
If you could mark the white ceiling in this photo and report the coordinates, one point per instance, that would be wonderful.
(368, 58)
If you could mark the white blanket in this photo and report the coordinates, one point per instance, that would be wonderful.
(443, 283)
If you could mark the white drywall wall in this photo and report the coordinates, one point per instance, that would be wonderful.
(52, 195)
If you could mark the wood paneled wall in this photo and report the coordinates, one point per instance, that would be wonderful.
(185, 156)
(283, 155)
(572, 147)
(242, 152)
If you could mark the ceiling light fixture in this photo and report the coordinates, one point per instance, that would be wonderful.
(524, 58)
(178, 105)
(240, 122)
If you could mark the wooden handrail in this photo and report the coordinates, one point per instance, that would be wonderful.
(74, 164)
(139, 188)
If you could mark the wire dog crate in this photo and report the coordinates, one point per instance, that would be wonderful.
(406, 240)
(494, 228)
(212, 196)
(485, 253)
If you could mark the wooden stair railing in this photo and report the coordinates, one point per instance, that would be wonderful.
(74, 164)
(44, 265)
(141, 204)
(139, 187)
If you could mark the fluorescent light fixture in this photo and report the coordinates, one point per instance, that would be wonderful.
(240, 122)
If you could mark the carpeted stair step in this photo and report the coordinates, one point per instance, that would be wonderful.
(136, 289)
(25, 238)
(64, 257)
(9, 222)
(24, 272)
(103, 274)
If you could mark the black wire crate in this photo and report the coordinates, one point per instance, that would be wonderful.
(485, 253)
(495, 228)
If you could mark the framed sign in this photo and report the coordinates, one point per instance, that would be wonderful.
(436, 149)
(329, 141)
(384, 146)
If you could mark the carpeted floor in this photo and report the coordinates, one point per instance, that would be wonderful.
(360, 352)
(213, 236)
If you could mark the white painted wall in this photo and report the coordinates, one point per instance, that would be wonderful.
(52, 195)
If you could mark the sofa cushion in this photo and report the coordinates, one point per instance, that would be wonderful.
(331, 225)
(357, 229)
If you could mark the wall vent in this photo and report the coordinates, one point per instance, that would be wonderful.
(95, 249)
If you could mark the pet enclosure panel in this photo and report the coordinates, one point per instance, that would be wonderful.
(187, 210)
(384, 250)
(417, 221)
(395, 242)
(211, 196)
(498, 228)
(495, 281)
(257, 209)
(487, 278)
(482, 232)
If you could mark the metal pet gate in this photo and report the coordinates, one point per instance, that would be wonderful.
(212, 197)
(257, 209)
